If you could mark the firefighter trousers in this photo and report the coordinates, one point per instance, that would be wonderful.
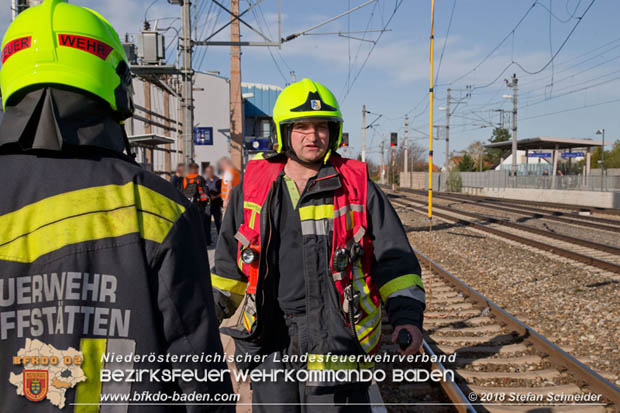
(283, 396)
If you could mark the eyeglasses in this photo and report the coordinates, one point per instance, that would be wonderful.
(307, 128)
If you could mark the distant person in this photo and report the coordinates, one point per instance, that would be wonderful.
(177, 178)
(195, 189)
(231, 177)
(214, 188)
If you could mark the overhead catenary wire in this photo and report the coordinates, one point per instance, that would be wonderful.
(445, 41)
(546, 65)
(510, 33)
(389, 20)
(542, 115)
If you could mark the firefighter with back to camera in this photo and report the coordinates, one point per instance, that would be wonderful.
(99, 259)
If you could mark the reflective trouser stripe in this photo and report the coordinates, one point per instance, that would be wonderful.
(123, 347)
(400, 283)
(88, 393)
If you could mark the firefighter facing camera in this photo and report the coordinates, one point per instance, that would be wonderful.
(309, 249)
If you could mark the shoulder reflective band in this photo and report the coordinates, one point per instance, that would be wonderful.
(15, 46)
(87, 44)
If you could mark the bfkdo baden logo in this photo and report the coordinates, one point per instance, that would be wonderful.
(36, 384)
(47, 372)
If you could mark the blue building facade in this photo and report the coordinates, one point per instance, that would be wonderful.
(258, 103)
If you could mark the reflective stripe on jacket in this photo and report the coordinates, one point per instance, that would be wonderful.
(100, 257)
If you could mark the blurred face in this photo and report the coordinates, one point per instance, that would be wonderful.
(193, 169)
(210, 172)
(222, 165)
(310, 140)
(180, 170)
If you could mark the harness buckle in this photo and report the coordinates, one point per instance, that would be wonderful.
(351, 304)
(357, 251)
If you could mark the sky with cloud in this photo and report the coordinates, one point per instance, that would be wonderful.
(572, 97)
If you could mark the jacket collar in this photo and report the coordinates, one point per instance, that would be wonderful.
(327, 180)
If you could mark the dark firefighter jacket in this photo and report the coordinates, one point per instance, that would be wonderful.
(395, 267)
(100, 257)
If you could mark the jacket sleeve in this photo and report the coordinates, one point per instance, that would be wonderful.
(228, 281)
(395, 267)
(185, 301)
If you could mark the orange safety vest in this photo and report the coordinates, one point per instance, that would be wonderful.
(193, 179)
(354, 284)
(227, 187)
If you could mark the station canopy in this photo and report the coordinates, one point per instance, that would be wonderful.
(149, 140)
(544, 142)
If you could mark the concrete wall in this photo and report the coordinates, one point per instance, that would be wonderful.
(583, 198)
(419, 180)
(414, 180)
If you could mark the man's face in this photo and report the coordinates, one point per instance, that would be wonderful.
(180, 170)
(210, 172)
(310, 140)
(193, 169)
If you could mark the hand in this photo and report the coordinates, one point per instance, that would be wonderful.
(416, 339)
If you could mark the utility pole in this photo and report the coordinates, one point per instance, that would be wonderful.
(406, 160)
(602, 161)
(236, 100)
(448, 131)
(18, 6)
(393, 169)
(364, 134)
(382, 161)
(188, 88)
(514, 84)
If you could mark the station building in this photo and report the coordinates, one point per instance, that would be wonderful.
(156, 129)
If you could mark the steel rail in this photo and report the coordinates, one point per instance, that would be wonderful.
(576, 368)
(450, 388)
(596, 262)
(522, 227)
(542, 214)
(607, 211)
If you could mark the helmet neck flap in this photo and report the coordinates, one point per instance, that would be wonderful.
(53, 117)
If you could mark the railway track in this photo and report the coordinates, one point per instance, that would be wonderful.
(503, 365)
(601, 256)
(604, 224)
(541, 207)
